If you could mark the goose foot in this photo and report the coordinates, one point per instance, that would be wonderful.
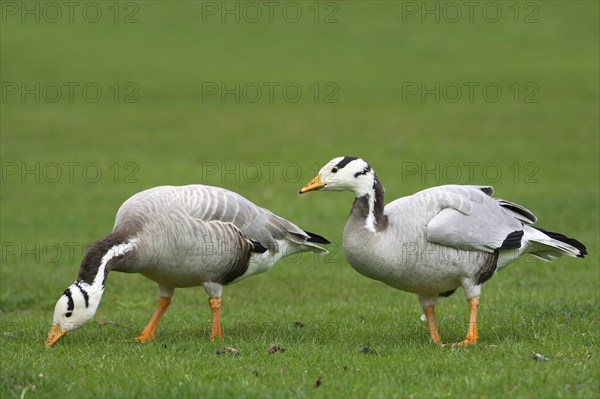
(466, 342)
(144, 338)
(471, 337)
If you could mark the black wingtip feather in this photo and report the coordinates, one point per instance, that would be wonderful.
(525, 213)
(258, 247)
(513, 240)
(567, 240)
(312, 237)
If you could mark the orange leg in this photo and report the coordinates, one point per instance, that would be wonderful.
(215, 328)
(471, 337)
(472, 331)
(148, 333)
(430, 314)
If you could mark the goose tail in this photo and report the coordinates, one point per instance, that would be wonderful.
(312, 237)
(548, 245)
(307, 242)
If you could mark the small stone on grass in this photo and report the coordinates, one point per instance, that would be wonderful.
(319, 381)
(366, 350)
(539, 357)
(227, 351)
(274, 348)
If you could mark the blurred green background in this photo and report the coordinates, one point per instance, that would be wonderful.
(101, 100)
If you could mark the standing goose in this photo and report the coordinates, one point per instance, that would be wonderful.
(181, 237)
(436, 240)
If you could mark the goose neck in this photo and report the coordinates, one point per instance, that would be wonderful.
(369, 207)
(101, 257)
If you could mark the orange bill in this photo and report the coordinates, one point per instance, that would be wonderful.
(55, 334)
(315, 184)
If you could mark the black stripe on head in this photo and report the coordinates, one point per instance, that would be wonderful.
(71, 304)
(85, 295)
(345, 162)
(366, 170)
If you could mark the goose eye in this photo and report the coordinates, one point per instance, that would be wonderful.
(69, 314)
(334, 170)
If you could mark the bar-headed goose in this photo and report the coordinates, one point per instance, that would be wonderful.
(181, 237)
(436, 240)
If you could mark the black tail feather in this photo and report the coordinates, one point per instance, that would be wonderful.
(567, 240)
(312, 237)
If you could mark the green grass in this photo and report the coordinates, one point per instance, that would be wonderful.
(172, 137)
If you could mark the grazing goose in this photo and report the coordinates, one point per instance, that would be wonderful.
(436, 240)
(181, 237)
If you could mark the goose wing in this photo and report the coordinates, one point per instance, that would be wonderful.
(256, 223)
(220, 247)
(470, 219)
(208, 204)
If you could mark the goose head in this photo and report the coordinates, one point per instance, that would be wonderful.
(79, 302)
(76, 306)
(343, 174)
